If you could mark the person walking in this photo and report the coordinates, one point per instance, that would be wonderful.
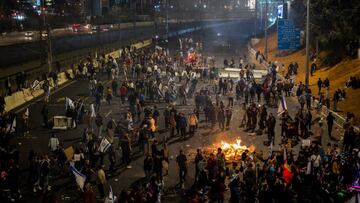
(198, 158)
(182, 125)
(148, 166)
(99, 124)
(319, 84)
(101, 180)
(126, 150)
(46, 88)
(114, 86)
(221, 118)
(231, 95)
(53, 143)
(330, 123)
(88, 195)
(123, 92)
(44, 174)
(336, 98)
(228, 115)
(45, 113)
(193, 122)
(271, 121)
(182, 165)
(172, 124)
(98, 98)
(109, 95)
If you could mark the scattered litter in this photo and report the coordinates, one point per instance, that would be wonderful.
(187, 145)
(20, 143)
(116, 180)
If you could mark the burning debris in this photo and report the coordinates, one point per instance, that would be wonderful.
(232, 151)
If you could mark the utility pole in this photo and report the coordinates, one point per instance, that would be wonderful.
(255, 26)
(133, 11)
(266, 30)
(46, 41)
(307, 42)
(49, 48)
(167, 17)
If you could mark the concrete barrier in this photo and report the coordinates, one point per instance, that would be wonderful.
(51, 82)
(19, 98)
(38, 92)
(61, 78)
(70, 72)
(27, 94)
(114, 54)
(15, 100)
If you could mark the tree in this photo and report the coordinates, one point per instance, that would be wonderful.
(335, 23)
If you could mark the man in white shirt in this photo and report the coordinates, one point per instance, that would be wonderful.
(53, 143)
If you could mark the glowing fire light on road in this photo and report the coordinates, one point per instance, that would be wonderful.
(232, 151)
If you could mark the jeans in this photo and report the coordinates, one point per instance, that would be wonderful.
(192, 130)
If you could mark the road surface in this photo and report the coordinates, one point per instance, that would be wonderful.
(65, 188)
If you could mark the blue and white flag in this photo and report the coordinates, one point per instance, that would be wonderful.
(104, 145)
(270, 149)
(11, 127)
(92, 111)
(69, 103)
(111, 195)
(79, 177)
(282, 106)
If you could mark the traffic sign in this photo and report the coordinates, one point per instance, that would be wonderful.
(288, 35)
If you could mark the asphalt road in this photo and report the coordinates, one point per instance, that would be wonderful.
(23, 36)
(65, 188)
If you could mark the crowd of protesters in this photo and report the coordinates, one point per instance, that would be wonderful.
(353, 82)
(315, 173)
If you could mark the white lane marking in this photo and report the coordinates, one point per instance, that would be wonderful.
(108, 113)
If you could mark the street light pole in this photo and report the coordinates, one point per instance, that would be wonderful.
(256, 7)
(167, 17)
(307, 42)
(46, 41)
(266, 30)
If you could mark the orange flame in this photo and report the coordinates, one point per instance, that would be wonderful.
(233, 151)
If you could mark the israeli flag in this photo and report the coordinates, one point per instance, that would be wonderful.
(27, 112)
(35, 84)
(104, 145)
(79, 177)
(11, 127)
(92, 111)
(69, 103)
(282, 106)
(111, 195)
(270, 149)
